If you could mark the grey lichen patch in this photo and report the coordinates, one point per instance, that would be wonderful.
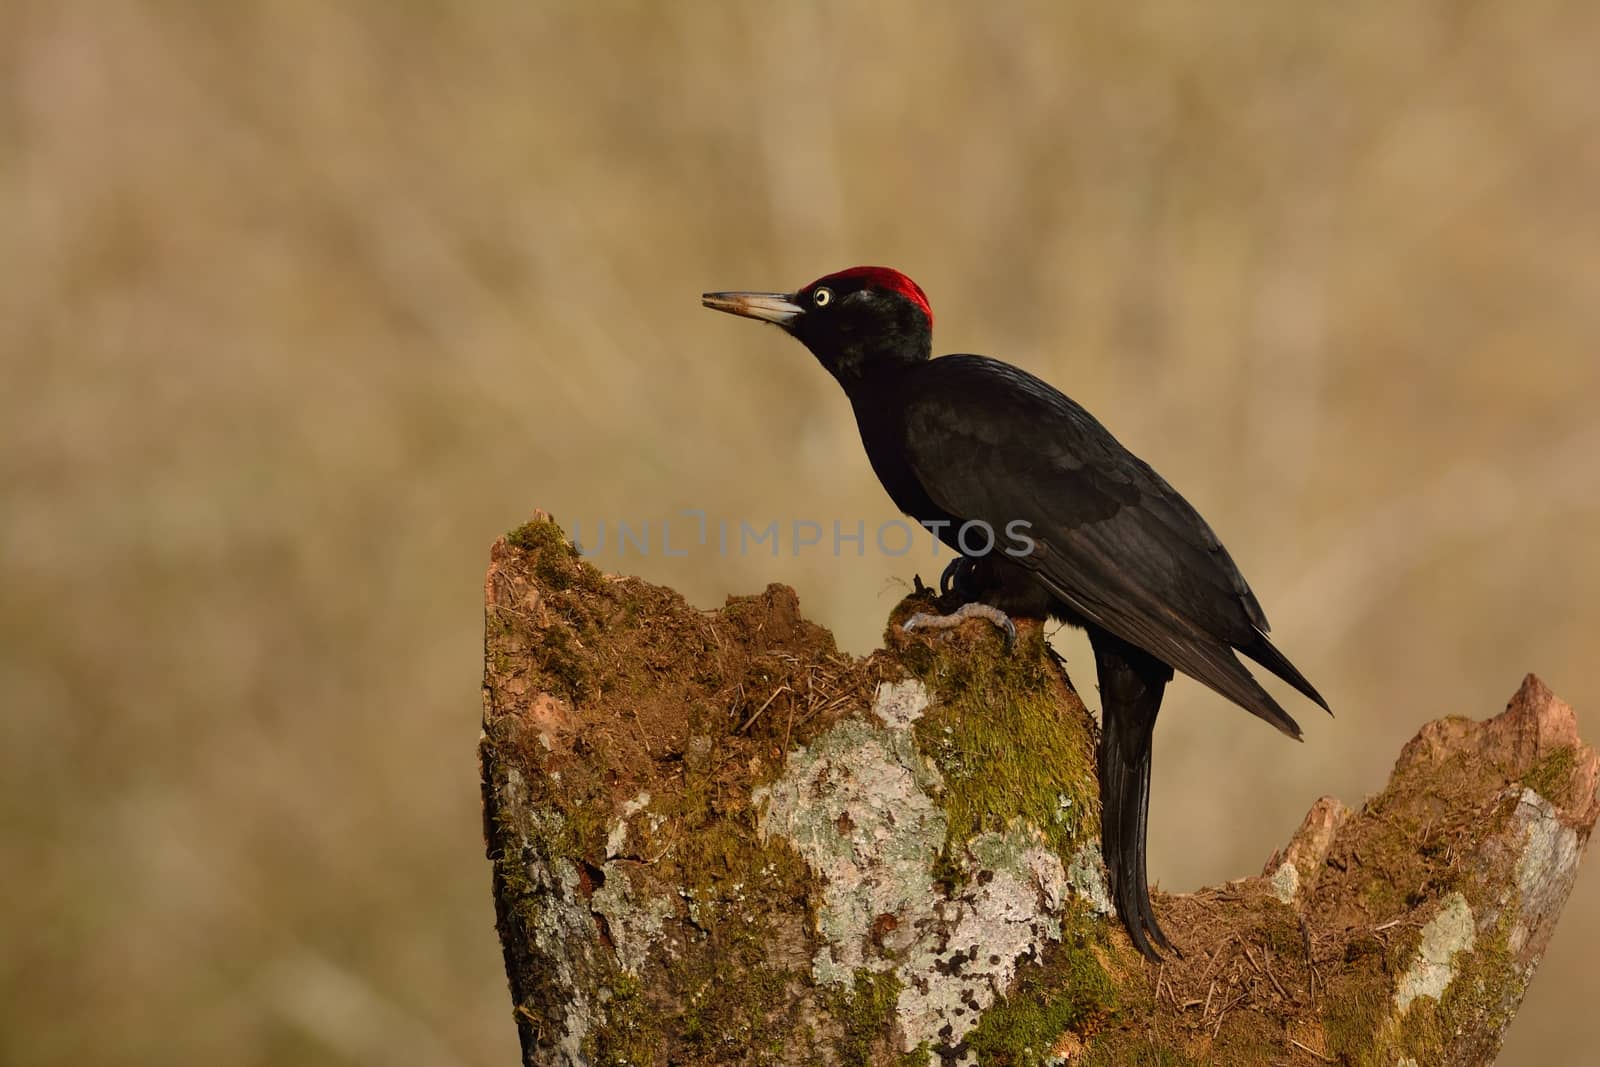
(635, 921)
(1286, 882)
(1054, 1004)
(1448, 933)
(1004, 915)
(558, 924)
(858, 805)
(1086, 875)
(1465, 1023)
(554, 921)
(900, 704)
(617, 836)
(1547, 866)
(861, 805)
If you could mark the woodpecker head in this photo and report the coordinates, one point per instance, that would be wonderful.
(858, 322)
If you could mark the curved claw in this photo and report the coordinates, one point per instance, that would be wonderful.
(994, 615)
(952, 573)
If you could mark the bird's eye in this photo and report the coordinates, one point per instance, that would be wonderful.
(822, 297)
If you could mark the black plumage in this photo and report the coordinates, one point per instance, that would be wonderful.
(1115, 549)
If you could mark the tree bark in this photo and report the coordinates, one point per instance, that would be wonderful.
(717, 839)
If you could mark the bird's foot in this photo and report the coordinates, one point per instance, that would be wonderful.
(957, 571)
(923, 620)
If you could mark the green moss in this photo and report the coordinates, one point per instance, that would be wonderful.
(736, 1006)
(1552, 777)
(556, 563)
(866, 1011)
(539, 535)
(1069, 991)
(1280, 930)
(917, 1057)
(1481, 998)
(1012, 746)
(562, 665)
(1353, 1016)
(715, 844)
(559, 657)
(627, 1032)
(733, 1005)
(734, 1011)
(1382, 896)
(1364, 1030)
(554, 822)
(1007, 744)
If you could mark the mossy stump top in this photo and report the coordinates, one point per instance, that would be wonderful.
(717, 839)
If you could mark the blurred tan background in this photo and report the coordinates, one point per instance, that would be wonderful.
(302, 304)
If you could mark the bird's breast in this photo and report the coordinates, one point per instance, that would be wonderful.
(883, 437)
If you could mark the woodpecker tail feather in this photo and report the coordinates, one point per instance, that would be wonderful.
(1131, 686)
(1266, 653)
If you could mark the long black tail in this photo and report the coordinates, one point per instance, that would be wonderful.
(1131, 686)
(1266, 653)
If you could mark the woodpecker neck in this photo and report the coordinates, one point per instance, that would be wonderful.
(859, 359)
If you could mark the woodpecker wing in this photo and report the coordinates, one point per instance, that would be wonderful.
(991, 442)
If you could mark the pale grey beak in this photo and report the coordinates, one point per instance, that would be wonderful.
(776, 308)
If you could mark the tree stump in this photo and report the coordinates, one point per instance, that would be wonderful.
(717, 839)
